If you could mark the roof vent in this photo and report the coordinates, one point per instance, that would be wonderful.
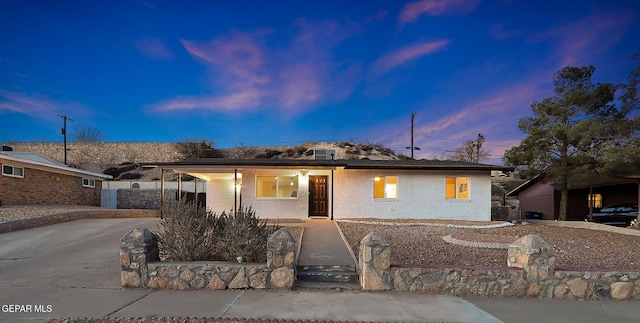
(324, 154)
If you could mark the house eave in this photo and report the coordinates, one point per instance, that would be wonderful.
(55, 168)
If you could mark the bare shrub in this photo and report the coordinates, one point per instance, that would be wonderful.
(192, 234)
(187, 233)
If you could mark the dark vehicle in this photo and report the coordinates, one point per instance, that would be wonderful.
(618, 214)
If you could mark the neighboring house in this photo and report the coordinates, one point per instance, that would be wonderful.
(537, 196)
(280, 188)
(30, 178)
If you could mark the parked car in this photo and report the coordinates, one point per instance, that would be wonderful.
(618, 214)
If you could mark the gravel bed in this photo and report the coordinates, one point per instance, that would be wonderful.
(22, 212)
(575, 248)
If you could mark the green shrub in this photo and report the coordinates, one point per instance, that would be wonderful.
(191, 234)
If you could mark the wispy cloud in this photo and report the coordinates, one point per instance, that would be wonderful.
(154, 48)
(413, 10)
(37, 106)
(247, 75)
(401, 56)
(578, 42)
(495, 115)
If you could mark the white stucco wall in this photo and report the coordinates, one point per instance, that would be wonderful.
(282, 208)
(421, 195)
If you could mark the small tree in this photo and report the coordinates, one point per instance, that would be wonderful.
(198, 148)
(574, 133)
(87, 134)
(470, 151)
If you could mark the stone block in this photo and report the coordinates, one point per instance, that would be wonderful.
(258, 280)
(198, 283)
(371, 280)
(239, 281)
(217, 283)
(282, 278)
(157, 282)
(130, 279)
(187, 275)
(578, 287)
(124, 258)
(622, 290)
(533, 290)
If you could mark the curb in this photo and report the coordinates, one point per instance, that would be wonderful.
(76, 215)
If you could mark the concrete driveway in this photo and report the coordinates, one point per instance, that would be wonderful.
(81, 253)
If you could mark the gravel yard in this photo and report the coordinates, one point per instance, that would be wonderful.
(423, 245)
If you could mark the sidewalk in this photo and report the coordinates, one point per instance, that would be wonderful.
(285, 305)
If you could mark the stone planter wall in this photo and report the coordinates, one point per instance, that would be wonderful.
(531, 272)
(141, 267)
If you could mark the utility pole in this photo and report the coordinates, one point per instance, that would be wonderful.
(64, 134)
(413, 116)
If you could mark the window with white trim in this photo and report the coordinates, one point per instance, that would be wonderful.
(457, 188)
(87, 182)
(284, 186)
(12, 171)
(385, 187)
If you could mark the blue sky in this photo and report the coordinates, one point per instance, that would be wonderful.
(288, 72)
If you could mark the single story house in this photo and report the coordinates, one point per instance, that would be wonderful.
(30, 178)
(601, 191)
(302, 188)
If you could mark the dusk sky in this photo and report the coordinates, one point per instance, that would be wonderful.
(288, 72)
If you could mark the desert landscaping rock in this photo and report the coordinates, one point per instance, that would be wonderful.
(574, 247)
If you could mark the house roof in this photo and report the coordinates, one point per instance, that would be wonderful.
(625, 177)
(39, 161)
(327, 164)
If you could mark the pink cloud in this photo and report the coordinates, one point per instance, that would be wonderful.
(579, 41)
(21, 103)
(247, 75)
(413, 10)
(495, 115)
(38, 106)
(154, 48)
(403, 55)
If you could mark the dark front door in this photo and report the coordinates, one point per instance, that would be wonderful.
(318, 200)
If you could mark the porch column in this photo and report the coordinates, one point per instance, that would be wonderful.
(161, 193)
(235, 190)
(179, 187)
(195, 189)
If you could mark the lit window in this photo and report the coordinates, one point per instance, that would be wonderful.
(385, 187)
(87, 182)
(595, 200)
(12, 171)
(457, 187)
(277, 186)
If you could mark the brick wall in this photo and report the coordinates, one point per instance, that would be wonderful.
(42, 187)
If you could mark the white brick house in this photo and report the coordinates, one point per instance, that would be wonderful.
(298, 189)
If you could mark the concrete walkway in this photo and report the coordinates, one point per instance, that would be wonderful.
(322, 244)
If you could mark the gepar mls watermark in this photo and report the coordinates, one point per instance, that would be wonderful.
(27, 308)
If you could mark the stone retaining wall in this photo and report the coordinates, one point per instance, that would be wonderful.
(531, 272)
(141, 266)
(137, 198)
